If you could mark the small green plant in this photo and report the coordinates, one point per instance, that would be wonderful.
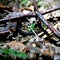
(7, 53)
(44, 26)
(31, 26)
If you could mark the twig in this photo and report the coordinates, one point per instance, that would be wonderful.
(44, 21)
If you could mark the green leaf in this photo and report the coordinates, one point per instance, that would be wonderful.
(11, 52)
(31, 26)
(23, 1)
(22, 55)
(5, 51)
(44, 26)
